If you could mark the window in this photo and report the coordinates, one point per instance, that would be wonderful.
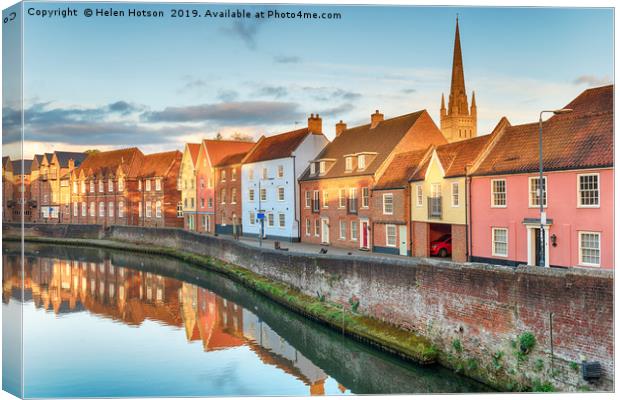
(75, 187)
(64, 183)
(282, 220)
(308, 198)
(251, 194)
(281, 193)
(210, 202)
(354, 226)
(322, 167)
(92, 186)
(365, 197)
(252, 218)
(500, 242)
(263, 194)
(419, 196)
(280, 171)
(179, 209)
(158, 209)
(588, 190)
(147, 184)
(148, 209)
(233, 196)
(83, 209)
(390, 235)
(121, 209)
(308, 227)
(192, 182)
(110, 209)
(233, 174)
(325, 199)
(100, 185)
(361, 162)
(101, 209)
(158, 184)
(83, 187)
(223, 196)
(179, 185)
(341, 198)
(498, 193)
(455, 194)
(202, 202)
(186, 199)
(251, 174)
(435, 190)
(590, 249)
(75, 209)
(535, 191)
(223, 175)
(388, 204)
(270, 219)
(353, 199)
(317, 227)
(315, 201)
(312, 168)
(140, 208)
(343, 230)
(264, 173)
(202, 182)
(110, 185)
(121, 184)
(348, 164)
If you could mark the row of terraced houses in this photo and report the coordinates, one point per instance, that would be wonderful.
(392, 185)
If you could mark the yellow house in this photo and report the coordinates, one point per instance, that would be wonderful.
(439, 198)
(187, 177)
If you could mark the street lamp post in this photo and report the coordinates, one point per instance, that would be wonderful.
(542, 189)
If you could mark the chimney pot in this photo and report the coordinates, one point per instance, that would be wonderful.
(375, 119)
(340, 127)
(315, 124)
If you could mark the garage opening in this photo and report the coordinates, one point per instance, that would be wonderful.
(440, 240)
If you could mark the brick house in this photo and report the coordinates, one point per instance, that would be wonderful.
(21, 191)
(160, 195)
(577, 190)
(229, 195)
(207, 202)
(336, 188)
(104, 188)
(8, 188)
(188, 184)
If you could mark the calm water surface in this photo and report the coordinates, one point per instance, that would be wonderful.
(106, 323)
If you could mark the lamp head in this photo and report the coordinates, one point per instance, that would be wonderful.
(563, 111)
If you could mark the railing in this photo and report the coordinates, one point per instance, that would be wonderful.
(434, 207)
(351, 206)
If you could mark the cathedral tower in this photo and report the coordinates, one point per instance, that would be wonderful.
(458, 121)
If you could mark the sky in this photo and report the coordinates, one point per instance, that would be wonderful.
(157, 83)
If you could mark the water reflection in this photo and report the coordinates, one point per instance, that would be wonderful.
(215, 312)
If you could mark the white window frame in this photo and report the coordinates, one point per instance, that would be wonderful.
(147, 185)
(348, 164)
(600, 253)
(308, 203)
(101, 209)
(281, 220)
(111, 209)
(121, 209)
(317, 227)
(158, 209)
(387, 235)
(361, 162)
(260, 194)
(493, 205)
(252, 218)
(342, 199)
(223, 175)
(280, 171)
(233, 196)
(223, 196)
(385, 196)
(308, 227)
(148, 209)
(312, 168)
(92, 186)
(265, 173)
(322, 167)
(325, 198)
(270, 220)
(251, 195)
(356, 230)
(456, 194)
(365, 197)
(598, 184)
(279, 190)
(233, 174)
(493, 230)
(419, 196)
(110, 185)
(140, 208)
(75, 208)
(157, 184)
(83, 209)
(342, 233)
(101, 186)
(544, 199)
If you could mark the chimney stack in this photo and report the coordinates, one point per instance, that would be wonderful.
(315, 124)
(375, 119)
(340, 127)
(71, 164)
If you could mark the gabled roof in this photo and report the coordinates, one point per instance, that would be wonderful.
(17, 167)
(159, 164)
(108, 162)
(232, 159)
(194, 149)
(64, 157)
(277, 146)
(217, 150)
(400, 169)
(579, 140)
(382, 140)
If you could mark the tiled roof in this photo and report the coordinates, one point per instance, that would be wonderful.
(578, 140)
(158, 164)
(400, 169)
(65, 156)
(455, 157)
(194, 149)
(107, 162)
(276, 146)
(231, 159)
(218, 149)
(382, 139)
(17, 167)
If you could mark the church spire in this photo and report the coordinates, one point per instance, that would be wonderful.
(443, 105)
(458, 97)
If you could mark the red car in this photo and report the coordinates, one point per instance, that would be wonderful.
(442, 247)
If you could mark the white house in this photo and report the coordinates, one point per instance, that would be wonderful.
(269, 177)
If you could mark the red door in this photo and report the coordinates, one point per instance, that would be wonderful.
(365, 235)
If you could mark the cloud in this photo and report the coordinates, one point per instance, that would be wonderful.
(192, 84)
(227, 95)
(244, 30)
(242, 113)
(408, 90)
(286, 59)
(337, 111)
(331, 93)
(272, 91)
(123, 107)
(592, 80)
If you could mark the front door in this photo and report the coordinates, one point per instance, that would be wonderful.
(364, 234)
(325, 230)
(536, 239)
(402, 234)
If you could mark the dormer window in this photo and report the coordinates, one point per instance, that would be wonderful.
(348, 164)
(322, 167)
(361, 161)
(312, 168)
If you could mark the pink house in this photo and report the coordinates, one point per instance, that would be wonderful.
(577, 190)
